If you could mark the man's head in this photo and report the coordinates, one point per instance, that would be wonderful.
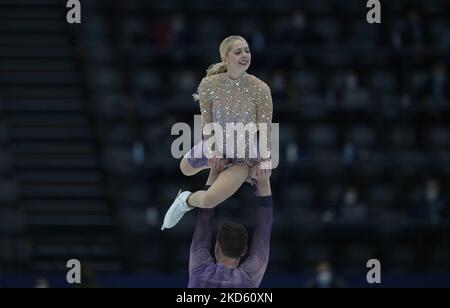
(231, 241)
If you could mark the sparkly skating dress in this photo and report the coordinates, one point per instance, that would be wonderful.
(224, 100)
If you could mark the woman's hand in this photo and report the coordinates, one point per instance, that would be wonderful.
(217, 164)
(266, 164)
(260, 173)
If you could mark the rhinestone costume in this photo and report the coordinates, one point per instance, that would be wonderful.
(245, 100)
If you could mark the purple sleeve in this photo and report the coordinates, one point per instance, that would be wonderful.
(258, 256)
(201, 241)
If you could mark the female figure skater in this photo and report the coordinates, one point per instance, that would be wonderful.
(226, 95)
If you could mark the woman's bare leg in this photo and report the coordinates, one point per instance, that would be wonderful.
(227, 183)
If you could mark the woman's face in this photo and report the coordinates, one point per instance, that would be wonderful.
(239, 57)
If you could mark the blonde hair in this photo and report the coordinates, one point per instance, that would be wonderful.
(224, 48)
(221, 67)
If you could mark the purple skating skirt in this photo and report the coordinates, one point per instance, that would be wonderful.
(197, 159)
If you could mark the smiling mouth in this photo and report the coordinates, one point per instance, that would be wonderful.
(243, 62)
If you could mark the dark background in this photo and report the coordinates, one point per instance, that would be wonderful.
(85, 117)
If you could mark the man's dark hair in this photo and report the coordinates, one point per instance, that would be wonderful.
(232, 239)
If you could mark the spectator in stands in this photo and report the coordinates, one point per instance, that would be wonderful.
(413, 31)
(297, 31)
(173, 33)
(351, 81)
(231, 243)
(227, 95)
(252, 29)
(41, 283)
(430, 208)
(348, 153)
(325, 278)
(431, 204)
(292, 152)
(435, 93)
(409, 40)
(345, 86)
(349, 209)
(279, 86)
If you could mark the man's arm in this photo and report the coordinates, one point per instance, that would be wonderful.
(204, 229)
(258, 257)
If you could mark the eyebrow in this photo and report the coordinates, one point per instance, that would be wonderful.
(237, 49)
